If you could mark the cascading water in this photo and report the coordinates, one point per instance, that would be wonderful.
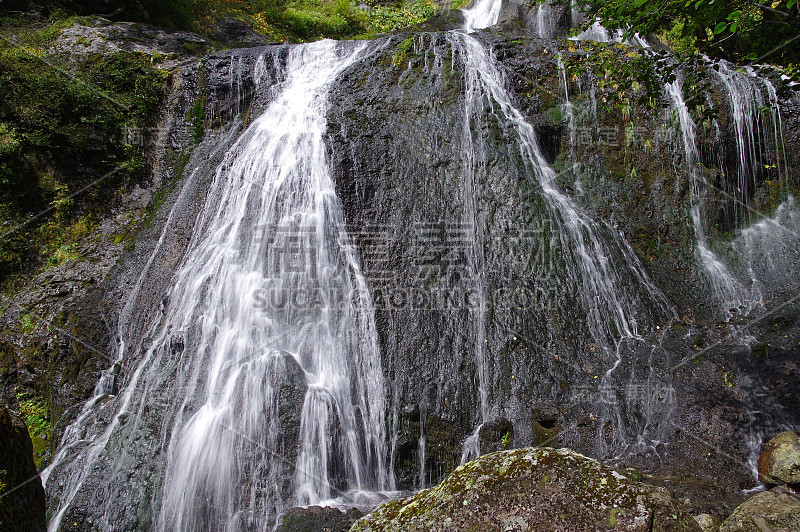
(764, 252)
(545, 22)
(597, 256)
(746, 102)
(270, 291)
(482, 14)
(728, 291)
(740, 291)
(260, 384)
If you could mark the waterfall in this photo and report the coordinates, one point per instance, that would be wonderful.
(615, 291)
(545, 21)
(740, 290)
(728, 291)
(421, 450)
(482, 14)
(269, 306)
(751, 133)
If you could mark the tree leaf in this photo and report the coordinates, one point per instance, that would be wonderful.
(735, 15)
(720, 28)
(790, 3)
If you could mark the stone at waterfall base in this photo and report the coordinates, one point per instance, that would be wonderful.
(777, 510)
(779, 462)
(533, 489)
(318, 518)
(707, 522)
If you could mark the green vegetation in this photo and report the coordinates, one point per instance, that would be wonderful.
(401, 55)
(284, 20)
(309, 20)
(37, 418)
(623, 76)
(62, 124)
(739, 30)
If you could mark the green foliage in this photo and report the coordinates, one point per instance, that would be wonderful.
(61, 130)
(740, 30)
(505, 441)
(174, 14)
(401, 55)
(383, 19)
(36, 415)
(285, 20)
(308, 20)
(623, 76)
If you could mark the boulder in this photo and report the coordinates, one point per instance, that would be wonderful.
(318, 519)
(707, 522)
(22, 504)
(533, 489)
(777, 510)
(779, 462)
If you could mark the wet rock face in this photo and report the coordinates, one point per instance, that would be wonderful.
(533, 489)
(396, 139)
(777, 510)
(22, 504)
(547, 20)
(779, 462)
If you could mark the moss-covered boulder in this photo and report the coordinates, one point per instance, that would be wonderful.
(533, 489)
(777, 509)
(22, 505)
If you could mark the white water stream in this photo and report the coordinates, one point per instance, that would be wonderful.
(271, 282)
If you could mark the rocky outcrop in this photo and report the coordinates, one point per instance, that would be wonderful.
(777, 510)
(318, 519)
(22, 505)
(101, 36)
(533, 489)
(779, 462)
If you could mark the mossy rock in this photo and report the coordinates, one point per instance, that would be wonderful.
(777, 509)
(533, 489)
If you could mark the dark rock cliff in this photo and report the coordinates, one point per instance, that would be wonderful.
(396, 142)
